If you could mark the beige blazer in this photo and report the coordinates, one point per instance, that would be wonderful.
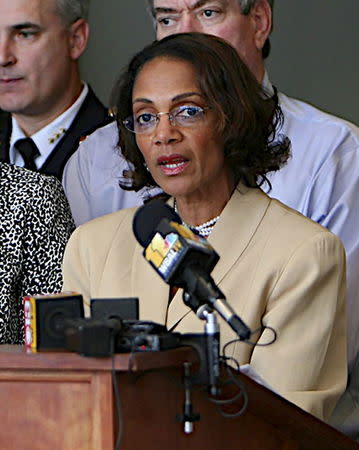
(276, 266)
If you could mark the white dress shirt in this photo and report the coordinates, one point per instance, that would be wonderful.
(48, 137)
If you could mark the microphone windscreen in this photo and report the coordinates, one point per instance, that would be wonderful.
(148, 217)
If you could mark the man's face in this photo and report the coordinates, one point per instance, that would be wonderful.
(37, 60)
(221, 18)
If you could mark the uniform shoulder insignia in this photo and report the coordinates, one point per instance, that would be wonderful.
(112, 111)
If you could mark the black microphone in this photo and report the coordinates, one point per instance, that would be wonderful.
(183, 259)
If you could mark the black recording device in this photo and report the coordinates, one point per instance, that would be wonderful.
(92, 337)
(145, 336)
(126, 308)
(56, 322)
(134, 335)
(183, 259)
(45, 317)
(102, 338)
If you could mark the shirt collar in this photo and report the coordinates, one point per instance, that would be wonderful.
(267, 85)
(47, 138)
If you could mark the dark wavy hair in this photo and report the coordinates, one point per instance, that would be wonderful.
(247, 117)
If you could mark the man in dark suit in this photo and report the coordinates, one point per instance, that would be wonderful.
(46, 106)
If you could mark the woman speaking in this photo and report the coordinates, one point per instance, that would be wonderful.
(194, 121)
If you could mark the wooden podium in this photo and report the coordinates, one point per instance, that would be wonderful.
(63, 401)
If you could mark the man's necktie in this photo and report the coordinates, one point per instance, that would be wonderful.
(28, 150)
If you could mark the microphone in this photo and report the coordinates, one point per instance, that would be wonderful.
(183, 259)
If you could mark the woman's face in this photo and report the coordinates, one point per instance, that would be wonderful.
(183, 160)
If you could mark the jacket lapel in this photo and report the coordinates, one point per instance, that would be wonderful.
(230, 238)
(5, 133)
(91, 115)
(238, 223)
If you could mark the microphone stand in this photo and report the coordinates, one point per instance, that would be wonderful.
(208, 356)
(205, 307)
(212, 338)
(212, 334)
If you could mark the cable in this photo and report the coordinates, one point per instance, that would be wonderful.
(259, 330)
(232, 379)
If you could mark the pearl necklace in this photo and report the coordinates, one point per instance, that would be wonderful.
(204, 229)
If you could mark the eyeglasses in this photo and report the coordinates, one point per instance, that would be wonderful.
(183, 116)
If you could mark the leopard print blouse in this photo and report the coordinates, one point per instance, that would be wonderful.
(35, 224)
